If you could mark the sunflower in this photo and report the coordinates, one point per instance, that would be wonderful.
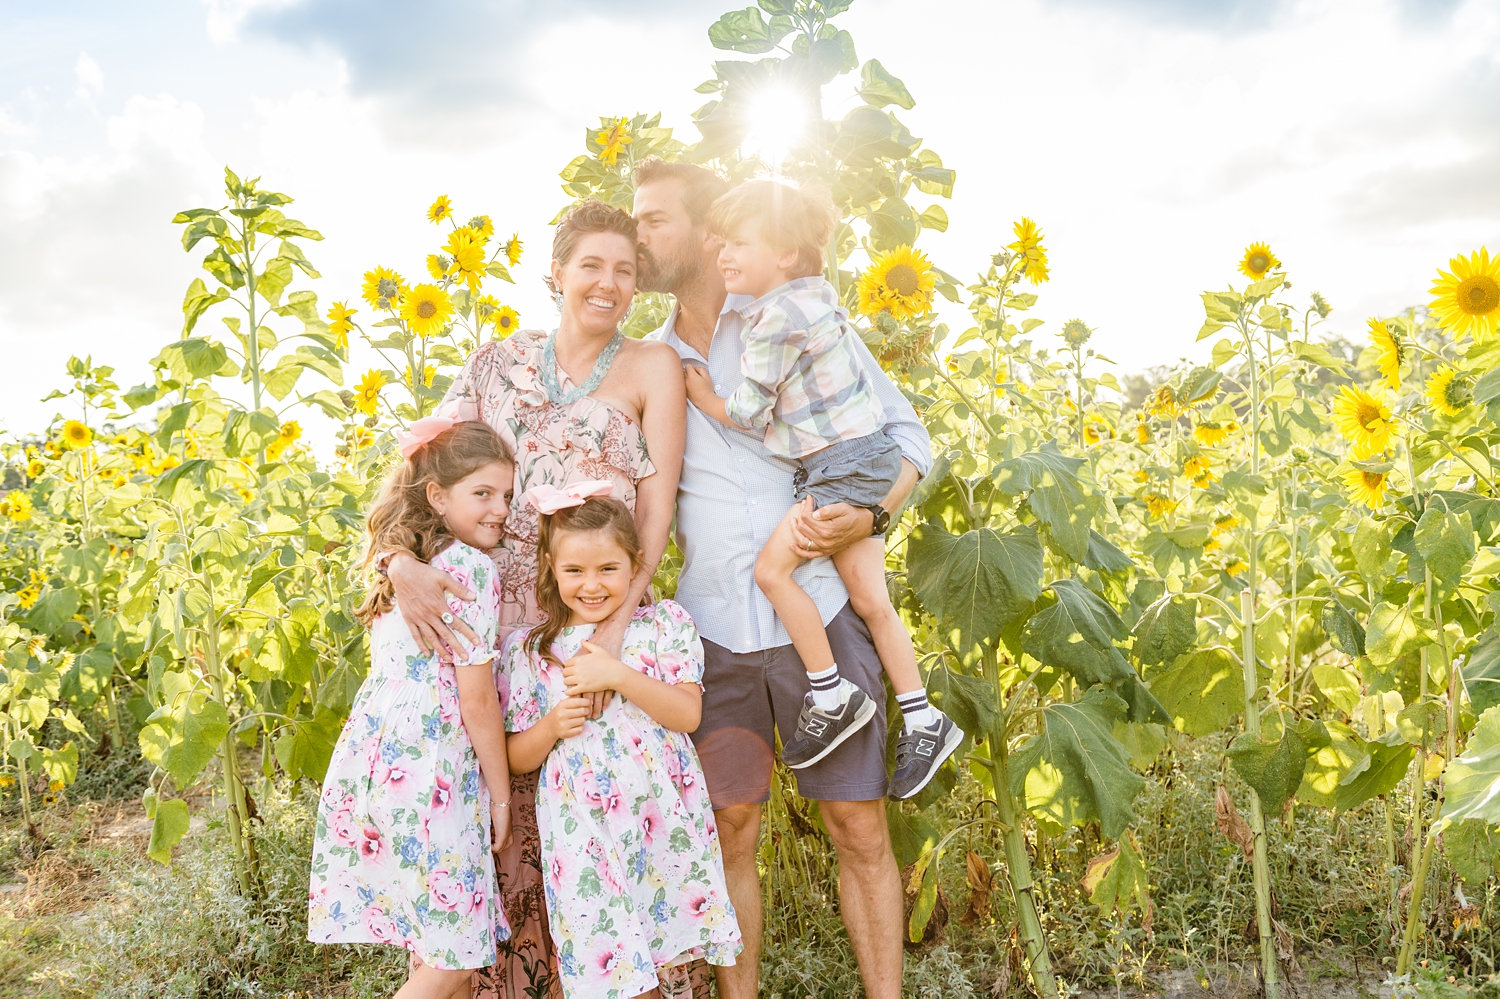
(428, 373)
(1164, 403)
(614, 140)
(76, 435)
(1363, 419)
(1366, 487)
(899, 282)
(383, 288)
(1468, 299)
(1142, 432)
(361, 438)
(28, 596)
(340, 322)
(1158, 505)
(1390, 352)
(1257, 261)
(1075, 334)
(17, 506)
(35, 469)
(1028, 246)
(505, 320)
(1449, 390)
(441, 209)
(290, 431)
(426, 309)
(437, 266)
(367, 392)
(1235, 567)
(483, 227)
(1096, 428)
(1228, 522)
(468, 257)
(1198, 469)
(513, 249)
(1212, 433)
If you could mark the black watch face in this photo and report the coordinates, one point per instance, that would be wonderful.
(882, 519)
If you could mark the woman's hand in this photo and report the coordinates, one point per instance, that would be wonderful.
(499, 825)
(568, 717)
(591, 670)
(420, 590)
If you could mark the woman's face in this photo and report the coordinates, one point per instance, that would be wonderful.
(597, 281)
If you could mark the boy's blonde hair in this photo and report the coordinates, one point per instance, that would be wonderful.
(789, 218)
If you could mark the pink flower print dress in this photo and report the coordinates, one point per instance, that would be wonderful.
(401, 853)
(630, 853)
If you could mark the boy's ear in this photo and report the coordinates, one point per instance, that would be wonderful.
(787, 259)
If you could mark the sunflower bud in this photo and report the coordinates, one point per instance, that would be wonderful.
(885, 323)
(1075, 334)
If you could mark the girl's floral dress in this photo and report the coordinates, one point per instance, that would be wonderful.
(402, 848)
(631, 857)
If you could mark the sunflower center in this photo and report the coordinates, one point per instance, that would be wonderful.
(505, 321)
(426, 309)
(1259, 262)
(1373, 480)
(386, 288)
(902, 279)
(1369, 418)
(1479, 295)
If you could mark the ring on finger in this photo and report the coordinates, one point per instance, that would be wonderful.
(447, 617)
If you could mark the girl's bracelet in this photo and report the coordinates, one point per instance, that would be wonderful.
(501, 804)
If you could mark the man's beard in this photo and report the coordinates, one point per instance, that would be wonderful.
(671, 274)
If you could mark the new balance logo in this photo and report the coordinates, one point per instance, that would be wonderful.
(925, 747)
(815, 726)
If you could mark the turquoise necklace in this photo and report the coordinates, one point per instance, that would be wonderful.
(601, 368)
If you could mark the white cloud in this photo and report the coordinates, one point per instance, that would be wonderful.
(90, 77)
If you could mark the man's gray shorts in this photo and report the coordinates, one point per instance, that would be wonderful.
(747, 696)
(859, 472)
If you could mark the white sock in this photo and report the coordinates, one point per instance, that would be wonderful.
(827, 688)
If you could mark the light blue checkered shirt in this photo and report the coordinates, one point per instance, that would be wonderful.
(733, 492)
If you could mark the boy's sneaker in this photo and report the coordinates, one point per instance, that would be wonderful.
(920, 752)
(820, 732)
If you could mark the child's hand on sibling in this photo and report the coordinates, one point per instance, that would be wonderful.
(700, 384)
(569, 715)
(592, 669)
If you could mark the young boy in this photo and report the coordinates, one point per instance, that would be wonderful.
(804, 385)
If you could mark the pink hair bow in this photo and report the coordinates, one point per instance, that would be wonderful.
(450, 413)
(550, 499)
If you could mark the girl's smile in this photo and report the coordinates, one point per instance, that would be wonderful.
(593, 574)
(475, 507)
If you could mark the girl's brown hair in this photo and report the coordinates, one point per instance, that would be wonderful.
(597, 513)
(403, 520)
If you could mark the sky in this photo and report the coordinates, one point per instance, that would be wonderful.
(1152, 141)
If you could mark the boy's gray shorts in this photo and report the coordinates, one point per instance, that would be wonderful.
(859, 472)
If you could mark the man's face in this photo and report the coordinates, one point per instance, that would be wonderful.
(673, 250)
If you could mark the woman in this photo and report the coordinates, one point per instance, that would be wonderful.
(582, 402)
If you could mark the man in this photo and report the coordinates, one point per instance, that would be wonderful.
(730, 497)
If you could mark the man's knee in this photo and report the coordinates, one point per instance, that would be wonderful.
(739, 832)
(859, 831)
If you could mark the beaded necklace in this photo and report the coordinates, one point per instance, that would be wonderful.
(601, 368)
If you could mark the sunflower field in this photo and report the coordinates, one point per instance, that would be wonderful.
(1224, 643)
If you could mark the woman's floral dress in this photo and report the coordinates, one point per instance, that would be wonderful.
(553, 444)
(402, 849)
(635, 880)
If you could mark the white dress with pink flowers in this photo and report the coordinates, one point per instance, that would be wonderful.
(402, 849)
(634, 876)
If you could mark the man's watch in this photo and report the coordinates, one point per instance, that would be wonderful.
(882, 520)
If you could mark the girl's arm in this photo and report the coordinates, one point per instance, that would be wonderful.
(677, 706)
(528, 750)
(664, 421)
(479, 708)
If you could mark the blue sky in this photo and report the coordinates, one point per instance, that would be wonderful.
(1151, 139)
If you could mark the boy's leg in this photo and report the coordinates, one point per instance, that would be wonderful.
(799, 615)
(928, 737)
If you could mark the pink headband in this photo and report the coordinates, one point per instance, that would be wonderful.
(550, 499)
(450, 413)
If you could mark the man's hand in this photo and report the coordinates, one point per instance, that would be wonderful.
(590, 671)
(420, 596)
(828, 530)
